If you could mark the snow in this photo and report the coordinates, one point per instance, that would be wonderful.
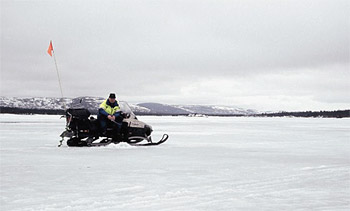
(137, 108)
(214, 163)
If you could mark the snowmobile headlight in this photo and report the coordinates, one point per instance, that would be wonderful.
(148, 130)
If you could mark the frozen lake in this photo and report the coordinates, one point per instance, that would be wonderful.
(215, 163)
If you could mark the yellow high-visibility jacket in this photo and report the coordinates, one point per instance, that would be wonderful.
(107, 109)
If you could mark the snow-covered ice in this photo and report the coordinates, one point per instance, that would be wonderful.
(215, 163)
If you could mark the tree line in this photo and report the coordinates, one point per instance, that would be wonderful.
(324, 114)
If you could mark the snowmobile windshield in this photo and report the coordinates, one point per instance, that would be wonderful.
(125, 108)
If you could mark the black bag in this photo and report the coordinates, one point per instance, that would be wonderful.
(78, 119)
(79, 113)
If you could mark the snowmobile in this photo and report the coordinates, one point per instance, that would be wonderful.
(83, 129)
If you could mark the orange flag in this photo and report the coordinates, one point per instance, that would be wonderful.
(50, 49)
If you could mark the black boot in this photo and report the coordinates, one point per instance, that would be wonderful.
(89, 141)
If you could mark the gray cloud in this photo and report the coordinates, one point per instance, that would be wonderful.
(180, 51)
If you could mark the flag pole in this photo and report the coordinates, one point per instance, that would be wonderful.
(58, 76)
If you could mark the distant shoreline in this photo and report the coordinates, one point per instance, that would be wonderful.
(305, 114)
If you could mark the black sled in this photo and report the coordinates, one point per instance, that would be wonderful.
(83, 130)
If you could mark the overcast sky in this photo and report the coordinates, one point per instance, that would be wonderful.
(264, 55)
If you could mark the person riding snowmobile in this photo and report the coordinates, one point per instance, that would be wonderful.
(112, 125)
(109, 110)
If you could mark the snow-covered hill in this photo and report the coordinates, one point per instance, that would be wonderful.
(216, 110)
(34, 102)
(92, 103)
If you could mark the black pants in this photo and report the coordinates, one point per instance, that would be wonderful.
(105, 122)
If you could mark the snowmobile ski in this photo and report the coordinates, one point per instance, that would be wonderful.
(162, 140)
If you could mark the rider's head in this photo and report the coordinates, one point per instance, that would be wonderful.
(111, 97)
